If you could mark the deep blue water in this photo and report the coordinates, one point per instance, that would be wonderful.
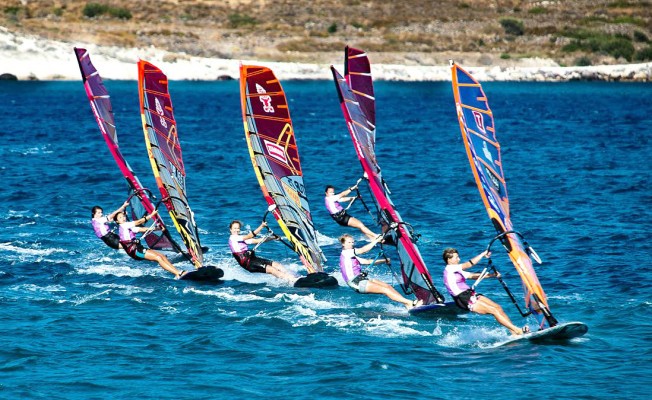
(82, 321)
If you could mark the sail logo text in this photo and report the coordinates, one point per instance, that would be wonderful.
(266, 100)
(479, 121)
(159, 111)
(276, 151)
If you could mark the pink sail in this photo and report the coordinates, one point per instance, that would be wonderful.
(415, 274)
(140, 199)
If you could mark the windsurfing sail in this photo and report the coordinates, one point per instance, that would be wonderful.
(357, 71)
(140, 199)
(359, 112)
(275, 158)
(483, 150)
(164, 151)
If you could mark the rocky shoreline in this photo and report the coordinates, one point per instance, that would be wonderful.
(34, 58)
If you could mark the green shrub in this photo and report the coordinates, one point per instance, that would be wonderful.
(596, 42)
(512, 26)
(619, 47)
(574, 45)
(505, 56)
(121, 13)
(640, 37)
(583, 61)
(538, 10)
(644, 54)
(619, 4)
(92, 10)
(237, 20)
(12, 10)
(626, 19)
(333, 28)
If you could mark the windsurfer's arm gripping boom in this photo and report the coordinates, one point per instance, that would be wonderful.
(144, 219)
(342, 195)
(473, 261)
(366, 248)
(251, 235)
(351, 199)
(111, 216)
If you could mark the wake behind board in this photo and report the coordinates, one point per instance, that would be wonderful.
(317, 280)
(437, 309)
(558, 332)
(208, 273)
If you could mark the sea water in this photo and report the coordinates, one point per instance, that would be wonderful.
(82, 321)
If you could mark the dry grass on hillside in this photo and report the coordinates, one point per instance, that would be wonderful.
(413, 31)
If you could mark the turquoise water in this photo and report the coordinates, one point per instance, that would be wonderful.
(82, 321)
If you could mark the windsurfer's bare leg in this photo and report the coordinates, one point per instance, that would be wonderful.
(356, 223)
(278, 271)
(152, 255)
(485, 305)
(380, 287)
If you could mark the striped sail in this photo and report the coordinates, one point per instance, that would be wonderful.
(483, 150)
(275, 158)
(164, 151)
(415, 274)
(140, 199)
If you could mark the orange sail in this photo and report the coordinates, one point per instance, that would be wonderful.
(483, 150)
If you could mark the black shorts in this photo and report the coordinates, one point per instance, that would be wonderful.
(466, 300)
(134, 249)
(112, 240)
(249, 261)
(341, 217)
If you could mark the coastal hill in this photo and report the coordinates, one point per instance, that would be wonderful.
(408, 32)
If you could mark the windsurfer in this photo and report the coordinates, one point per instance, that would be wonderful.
(247, 259)
(339, 214)
(465, 297)
(132, 246)
(101, 225)
(357, 280)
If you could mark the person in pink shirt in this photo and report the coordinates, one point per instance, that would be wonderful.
(339, 214)
(465, 297)
(100, 224)
(356, 279)
(132, 246)
(247, 259)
